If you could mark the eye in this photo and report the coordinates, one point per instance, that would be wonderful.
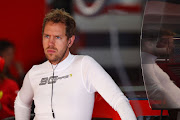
(57, 37)
(46, 36)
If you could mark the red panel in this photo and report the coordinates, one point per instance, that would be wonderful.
(21, 22)
(103, 110)
(141, 108)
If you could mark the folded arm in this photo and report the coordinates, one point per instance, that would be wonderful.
(97, 79)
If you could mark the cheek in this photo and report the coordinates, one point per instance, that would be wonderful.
(44, 43)
(8, 60)
(61, 44)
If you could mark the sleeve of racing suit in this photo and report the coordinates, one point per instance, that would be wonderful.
(23, 100)
(97, 79)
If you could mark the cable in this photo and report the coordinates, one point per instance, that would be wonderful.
(53, 114)
(52, 91)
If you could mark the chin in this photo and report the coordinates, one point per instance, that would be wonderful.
(50, 57)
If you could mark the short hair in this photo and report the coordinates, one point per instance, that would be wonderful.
(4, 44)
(61, 16)
(154, 34)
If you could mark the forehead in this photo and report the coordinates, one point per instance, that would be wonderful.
(55, 27)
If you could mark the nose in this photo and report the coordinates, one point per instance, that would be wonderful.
(51, 41)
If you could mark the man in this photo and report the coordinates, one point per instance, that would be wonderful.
(63, 87)
(8, 93)
(12, 69)
(161, 90)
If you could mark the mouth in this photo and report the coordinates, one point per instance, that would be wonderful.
(50, 51)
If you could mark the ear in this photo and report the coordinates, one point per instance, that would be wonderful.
(71, 41)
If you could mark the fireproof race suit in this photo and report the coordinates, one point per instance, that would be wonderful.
(76, 79)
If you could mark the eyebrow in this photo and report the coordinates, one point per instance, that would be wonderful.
(45, 34)
(53, 35)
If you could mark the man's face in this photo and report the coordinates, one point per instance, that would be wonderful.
(8, 56)
(55, 42)
(166, 42)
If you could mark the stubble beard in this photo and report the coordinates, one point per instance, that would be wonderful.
(53, 58)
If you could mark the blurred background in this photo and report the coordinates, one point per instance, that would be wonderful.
(107, 30)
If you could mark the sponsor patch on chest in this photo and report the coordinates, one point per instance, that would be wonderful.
(53, 79)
